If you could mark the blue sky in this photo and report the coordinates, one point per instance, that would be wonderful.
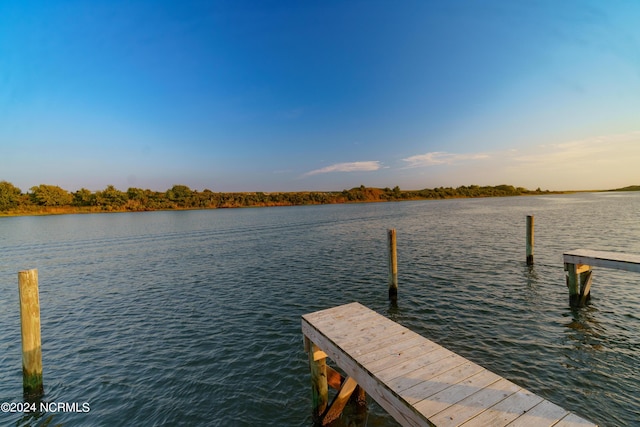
(319, 95)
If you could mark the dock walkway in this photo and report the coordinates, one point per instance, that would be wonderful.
(418, 382)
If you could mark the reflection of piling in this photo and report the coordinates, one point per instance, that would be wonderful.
(30, 325)
(529, 239)
(393, 265)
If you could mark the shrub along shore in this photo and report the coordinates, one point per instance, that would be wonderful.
(50, 199)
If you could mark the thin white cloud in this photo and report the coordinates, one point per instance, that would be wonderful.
(347, 167)
(599, 162)
(441, 158)
(613, 147)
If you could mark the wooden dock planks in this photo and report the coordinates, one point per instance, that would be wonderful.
(419, 382)
(617, 260)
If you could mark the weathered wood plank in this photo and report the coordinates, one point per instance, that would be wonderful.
(617, 260)
(391, 344)
(506, 410)
(367, 335)
(406, 357)
(407, 366)
(453, 394)
(545, 414)
(425, 373)
(347, 311)
(428, 388)
(419, 382)
(473, 405)
(330, 321)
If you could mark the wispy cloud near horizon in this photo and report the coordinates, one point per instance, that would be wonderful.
(441, 158)
(366, 166)
(613, 148)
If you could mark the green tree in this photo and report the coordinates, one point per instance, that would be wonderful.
(50, 195)
(506, 189)
(181, 195)
(9, 196)
(111, 198)
(136, 194)
(207, 199)
(84, 197)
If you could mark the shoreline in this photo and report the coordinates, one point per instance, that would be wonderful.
(71, 210)
(53, 200)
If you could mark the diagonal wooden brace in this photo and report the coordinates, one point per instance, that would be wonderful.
(334, 379)
(334, 411)
(586, 288)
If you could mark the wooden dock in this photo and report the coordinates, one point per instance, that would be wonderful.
(617, 260)
(578, 263)
(418, 382)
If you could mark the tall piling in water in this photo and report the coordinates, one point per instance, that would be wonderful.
(30, 327)
(529, 239)
(393, 265)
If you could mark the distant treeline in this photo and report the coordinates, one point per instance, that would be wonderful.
(629, 188)
(44, 199)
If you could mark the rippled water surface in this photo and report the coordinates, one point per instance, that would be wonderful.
(193, 317)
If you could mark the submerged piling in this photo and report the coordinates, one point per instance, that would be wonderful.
(393, 265)
(529, 239)
(30, 328)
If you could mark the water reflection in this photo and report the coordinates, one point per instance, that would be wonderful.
(585, 331)
(393, 311)
(532, 284)
(34, 416)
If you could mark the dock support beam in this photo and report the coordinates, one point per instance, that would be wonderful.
(529, 239)
(324, 376)
(319, 385)
(393, 265)
(339, 402)
(30, 329)
(579, 283)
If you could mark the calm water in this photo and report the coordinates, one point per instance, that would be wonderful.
(193, 318)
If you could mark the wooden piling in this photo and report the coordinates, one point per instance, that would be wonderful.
(573, 283)
(319, 385)
(393, 265)
(529, 239)
(578, 282)
(30, 326)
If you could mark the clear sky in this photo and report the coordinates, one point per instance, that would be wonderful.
(319, 95)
